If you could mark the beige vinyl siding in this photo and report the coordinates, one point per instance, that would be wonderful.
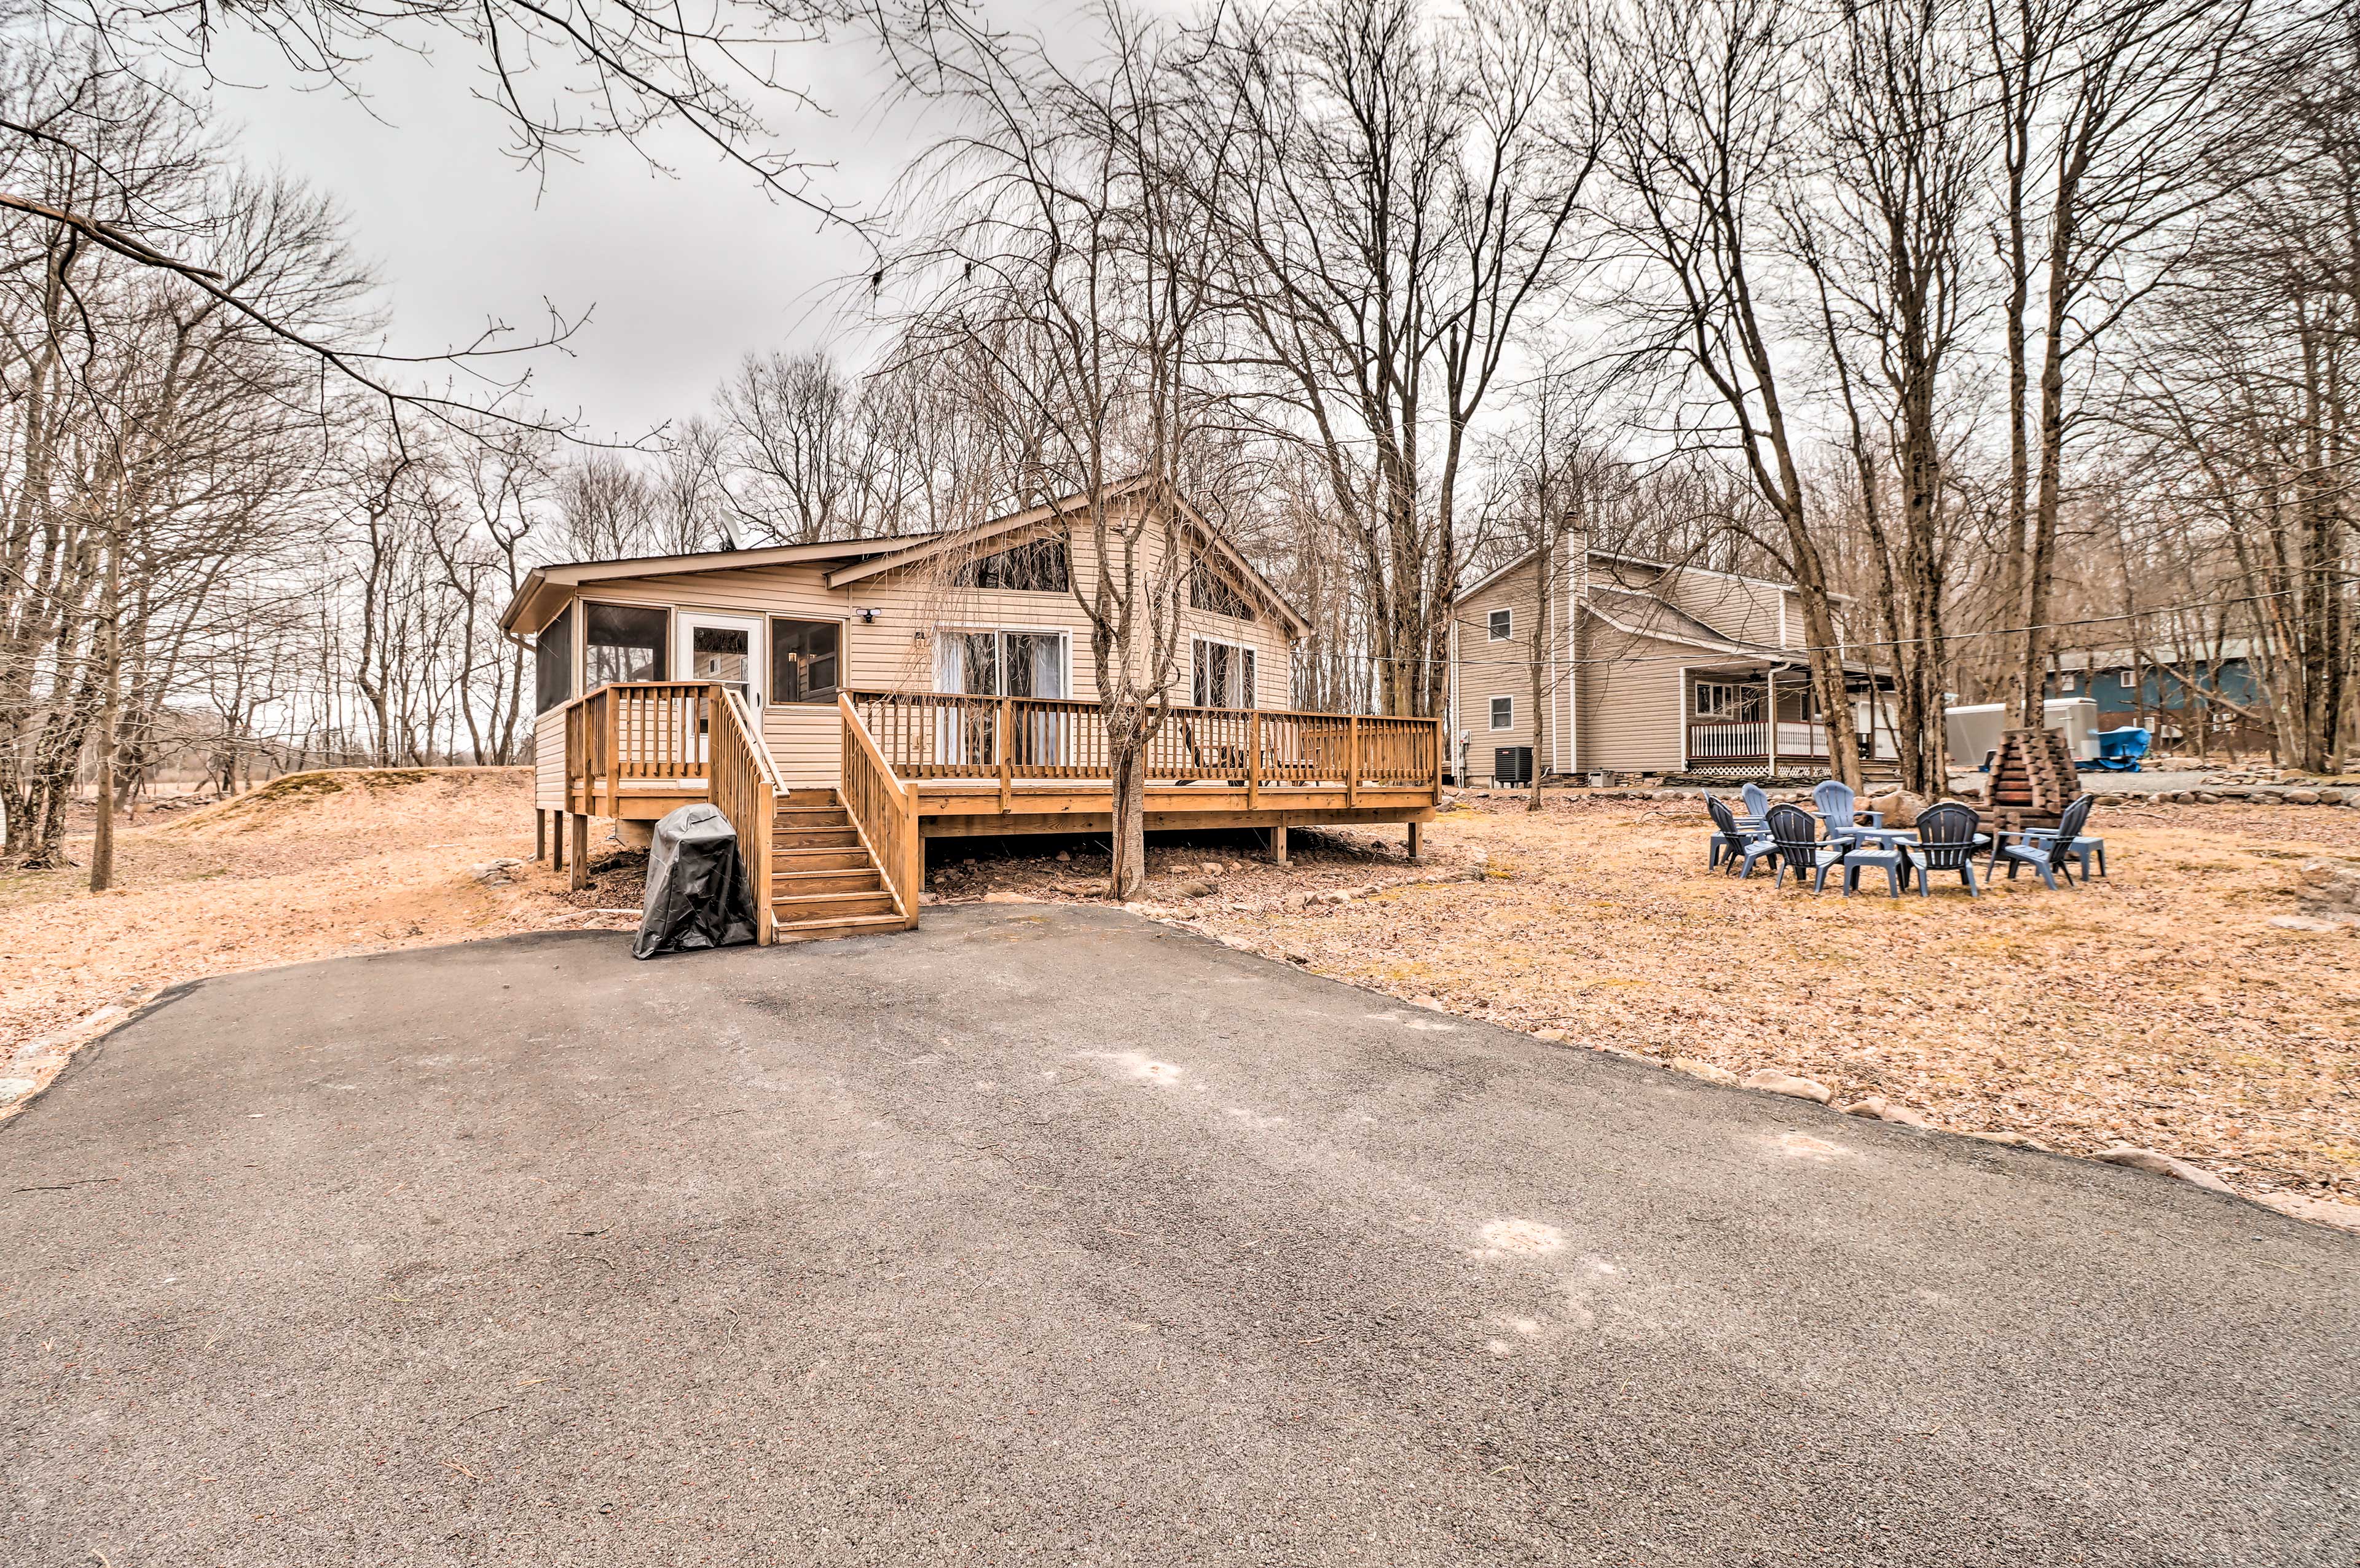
(1486, 670)
(548, 759)
(1632, 702)
(888, 653)
(1747, 612)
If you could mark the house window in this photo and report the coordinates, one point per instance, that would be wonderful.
(1000, 663)
(1035, 567)
(2068, 682)
(1223, 674)
(1504, 625)
(1722, 699)
(552, 662)
(1209, 591)
(622, 642)
(1503, 713)
(803, 661)
(2130, 682)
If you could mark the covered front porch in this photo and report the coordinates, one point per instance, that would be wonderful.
(1759, 717)
(914, 766)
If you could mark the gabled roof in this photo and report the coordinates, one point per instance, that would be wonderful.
(932, 547)
(542, 590)
(1644, 615)
(2160, 655)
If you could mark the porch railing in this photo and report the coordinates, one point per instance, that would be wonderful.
(884, 812)
(924, 735)
(746, 788)
(700, 735)
(639, 729)
(1748, 740)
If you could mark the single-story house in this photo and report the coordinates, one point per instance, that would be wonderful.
(844, 703)
(1631, 666)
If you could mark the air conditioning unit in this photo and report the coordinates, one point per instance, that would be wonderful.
(1512, 765)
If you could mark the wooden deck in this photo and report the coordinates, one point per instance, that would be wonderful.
(917, 766)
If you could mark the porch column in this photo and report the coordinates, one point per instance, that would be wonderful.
(1770, 702)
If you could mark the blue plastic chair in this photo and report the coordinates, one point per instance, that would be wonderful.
(1757, 817)
(1795, 834)
(1947, 840)
(2047, 850)
(1836, 801)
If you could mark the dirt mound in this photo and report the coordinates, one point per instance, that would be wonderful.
(371, 792)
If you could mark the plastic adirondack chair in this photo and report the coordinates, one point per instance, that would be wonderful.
(1795, 834)
(1740, 847)
(2047, 850)
(1836, 801)
(1947, 840)
(1757, 808)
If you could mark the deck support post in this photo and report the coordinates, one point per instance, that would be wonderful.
(540, 835)
(580, 876)
(1415, 839)
(557, 842)
(1278, 842)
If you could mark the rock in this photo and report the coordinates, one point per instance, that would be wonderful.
(1704, 1070)
(929, 898)
(1295, 901)
(14, 1089)
(1777, 1081)
(1297, 956)
(2303, 797)
(2207, 798)
(2331, 797)
(1007, 898)
(1196, 889)
(2156, 1164)
(1873, 1107)
(1431, 1003)
(2312, 922)
(1551, 1035)
(1064, 857)
(1902, 1115)
(2317, 1210)
(2011, 1140)
(1210, 868)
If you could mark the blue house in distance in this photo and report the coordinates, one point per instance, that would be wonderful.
(2186, 704)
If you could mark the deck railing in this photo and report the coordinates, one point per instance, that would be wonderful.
(930, 734)
(746, 788)
(638, 729)
(699, 734)
(883, 811)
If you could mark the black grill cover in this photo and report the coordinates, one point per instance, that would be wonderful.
(697, 896)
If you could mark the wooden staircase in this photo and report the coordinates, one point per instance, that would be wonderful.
(823, 882)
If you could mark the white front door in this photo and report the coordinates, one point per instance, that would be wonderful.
(726, 648)
(723, 648)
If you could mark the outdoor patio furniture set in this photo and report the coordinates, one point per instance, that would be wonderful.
(1946, 839)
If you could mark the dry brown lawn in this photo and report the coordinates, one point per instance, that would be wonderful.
(316, 866)
(2158, 1008)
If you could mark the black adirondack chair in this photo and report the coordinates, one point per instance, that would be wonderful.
(1795, 833)
(2048, 851)
(1947, 840)
(1733, 843)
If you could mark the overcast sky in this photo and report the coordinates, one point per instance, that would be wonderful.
(682, 271)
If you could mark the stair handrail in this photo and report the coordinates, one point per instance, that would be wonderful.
(743, 783)
(892, 842)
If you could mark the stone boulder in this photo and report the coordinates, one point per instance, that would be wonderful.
(1778, 1080)
(2158, 1164)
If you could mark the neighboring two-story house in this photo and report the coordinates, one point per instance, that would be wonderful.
(1630, 666)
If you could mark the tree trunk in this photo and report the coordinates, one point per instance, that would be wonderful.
(110, 716)
(1127, 868)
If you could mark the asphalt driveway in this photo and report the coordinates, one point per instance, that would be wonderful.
(1044, 1235)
